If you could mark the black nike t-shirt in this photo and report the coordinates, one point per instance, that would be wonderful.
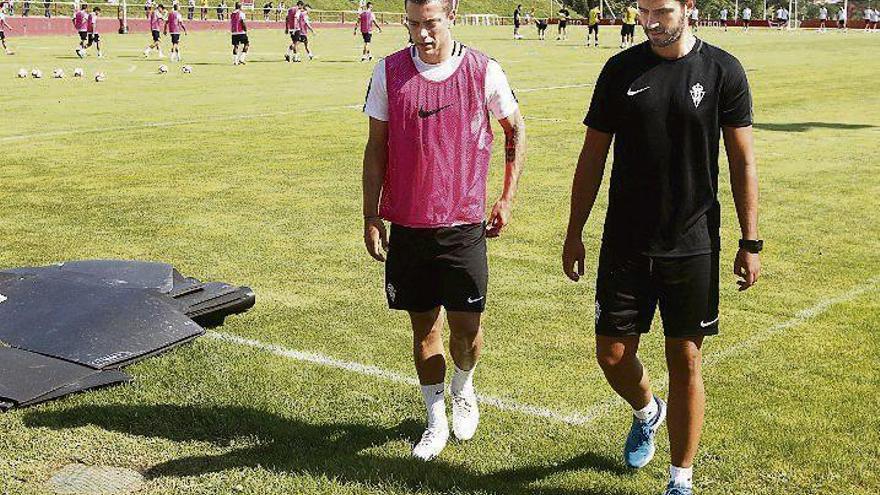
(666, 117)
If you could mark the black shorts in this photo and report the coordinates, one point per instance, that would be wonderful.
(156, 35)
(239, 39)
(841, 23)
(516, 24)
(94, 38)
(563, 24)
(2, 35)
(630, 286)
(301, 37)
(747, 22)
(368, 37)
(427, 268)
(628, 30)
(175, 38)
(83, 35)
(593, 28)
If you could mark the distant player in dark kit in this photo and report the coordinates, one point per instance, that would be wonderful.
(365, 24)
(541, 24)
(517, 18)
(666, 104)
(240, 41)
(425, 171)
(174, 25)
(562, 29)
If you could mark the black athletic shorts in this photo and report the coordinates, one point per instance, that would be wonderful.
(593, 28)
(627, 29)
(630, 286)
(156, 35)
(2, 35)
(301, 37)
(747, 22)
(368, 37)
(434, 267)
(175, 38)
(83, 35)
(563, 24)
(94, 38)
(239, 39)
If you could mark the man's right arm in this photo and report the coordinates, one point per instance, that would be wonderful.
(375, 159)
(584, 189)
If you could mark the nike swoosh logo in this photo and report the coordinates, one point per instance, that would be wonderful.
(630, 92)
(705, 324)
(471, 301)
(425, 114)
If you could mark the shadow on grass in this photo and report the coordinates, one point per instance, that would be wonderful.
(806, 126)
(332, 450)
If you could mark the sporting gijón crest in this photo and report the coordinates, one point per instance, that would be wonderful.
(697, 94)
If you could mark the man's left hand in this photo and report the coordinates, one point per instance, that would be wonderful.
(747, 267)
(499, 218)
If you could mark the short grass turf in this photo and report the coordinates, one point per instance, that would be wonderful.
(251, 175)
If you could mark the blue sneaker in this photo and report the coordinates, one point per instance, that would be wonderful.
(639, 448)
(678, 490)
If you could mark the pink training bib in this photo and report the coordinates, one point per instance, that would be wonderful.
(235, 24)
(366, 20)
(174, 22)
(439, 144)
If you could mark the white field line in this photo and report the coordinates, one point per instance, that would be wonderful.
(368, 370)
(578, 419)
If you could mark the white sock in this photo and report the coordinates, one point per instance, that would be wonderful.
(462, 381)
(648, 411)
(435, 404)
(243, 55)
(235, 58)
(681, 477)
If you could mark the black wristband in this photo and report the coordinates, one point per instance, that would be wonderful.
(751, 245)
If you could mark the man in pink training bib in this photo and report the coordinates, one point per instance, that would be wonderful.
(290, 27)
(80, 23)
(174, 25)
(425, 168)
(155, 16)
(92, 28)
(366, 21)
(240, 42)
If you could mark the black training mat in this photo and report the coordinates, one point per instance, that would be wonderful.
(101, 326)
(28, 378)
(120, 273)
(210, 303)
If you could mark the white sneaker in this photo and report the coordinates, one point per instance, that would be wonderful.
(431, 444)
(465, 415)
(146, 52)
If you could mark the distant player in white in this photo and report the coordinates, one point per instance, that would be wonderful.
(823, 19)
(723, 16)
(3, 27)
(747, 18)
(869, 18)
(780, 18)
(841, 19)
(695, 18)
(875, 19)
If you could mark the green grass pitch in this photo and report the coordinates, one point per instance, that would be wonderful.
(251, 175)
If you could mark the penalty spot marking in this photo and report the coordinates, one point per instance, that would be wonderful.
(593, 414)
